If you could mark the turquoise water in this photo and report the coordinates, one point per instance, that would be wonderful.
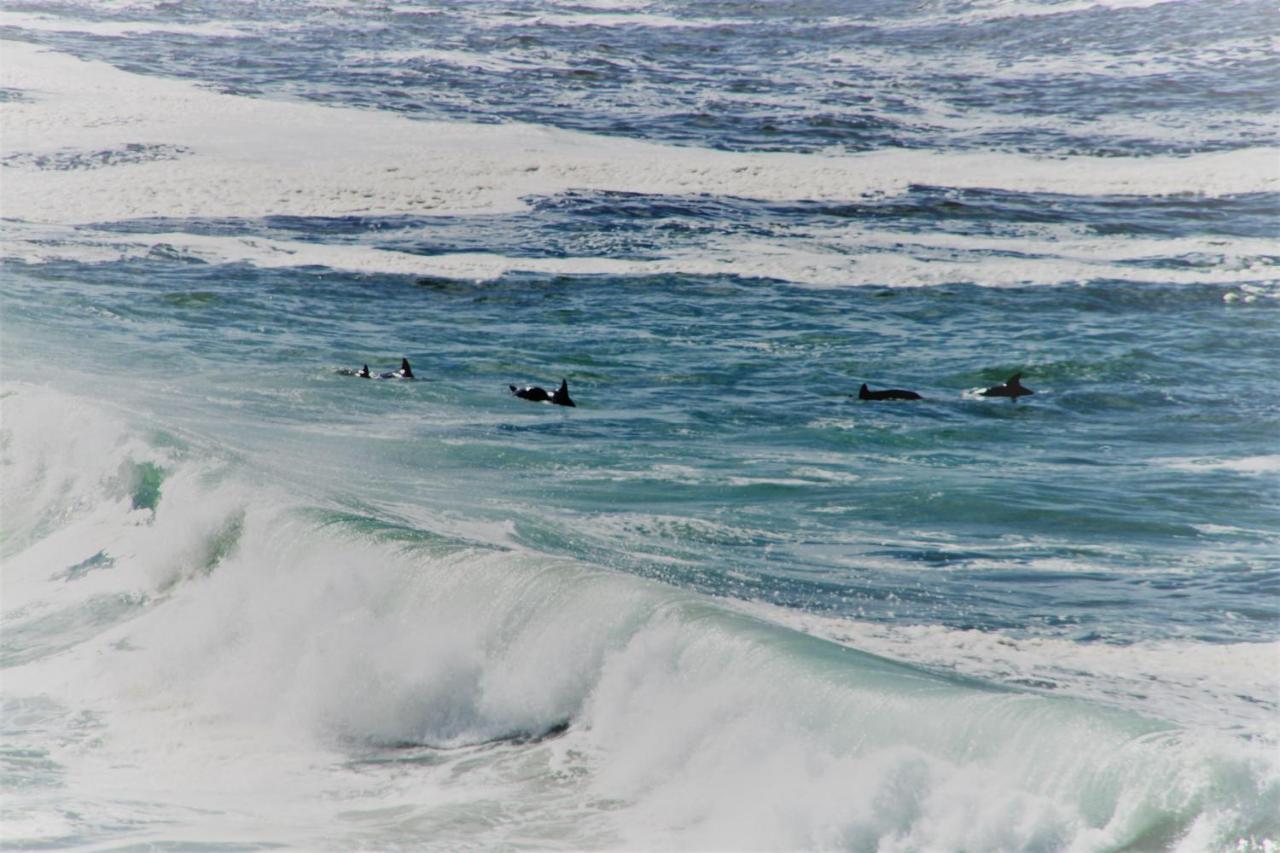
(721, 603)
(716, 444)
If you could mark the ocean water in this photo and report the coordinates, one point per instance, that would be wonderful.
(250, 602)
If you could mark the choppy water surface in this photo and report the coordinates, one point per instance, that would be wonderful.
(720, 603)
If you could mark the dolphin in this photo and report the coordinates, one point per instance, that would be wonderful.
(1013, 389)
(363, 372)
(405, 371)
(559, 397)
(865, 393)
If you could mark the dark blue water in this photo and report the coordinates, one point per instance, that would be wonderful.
(1056, 78)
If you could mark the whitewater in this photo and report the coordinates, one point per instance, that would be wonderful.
(249, 601)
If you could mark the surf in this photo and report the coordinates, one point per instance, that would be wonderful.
(252, 617)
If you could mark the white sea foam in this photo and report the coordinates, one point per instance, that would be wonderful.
(275, 654)
(252, 157)
(1003, 9)
(435, 56)
(608, 5)
(1082, 62)
(853, 257)
(628, 19)
(181, 151)
(1265, 464)
(1227, 686)
(1249, 294)
(60, 24)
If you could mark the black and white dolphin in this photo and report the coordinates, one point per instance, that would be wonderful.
(865, 393)
(559, 397)
(1013, 389)
(363, 372)
(405, 371)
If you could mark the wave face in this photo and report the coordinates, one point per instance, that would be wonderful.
(342, 679)
(250, 601)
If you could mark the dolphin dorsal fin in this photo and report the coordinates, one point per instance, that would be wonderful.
(1015, 379)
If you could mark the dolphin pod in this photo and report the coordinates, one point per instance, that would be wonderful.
(1011, 388)
(405, 372)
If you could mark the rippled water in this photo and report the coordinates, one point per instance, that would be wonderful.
(720, 603)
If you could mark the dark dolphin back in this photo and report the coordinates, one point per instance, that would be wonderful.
(531, 392)
(1013, 389)
(865, 393)
(561, 395)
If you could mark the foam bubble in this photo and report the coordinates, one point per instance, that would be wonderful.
(1265, 464)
